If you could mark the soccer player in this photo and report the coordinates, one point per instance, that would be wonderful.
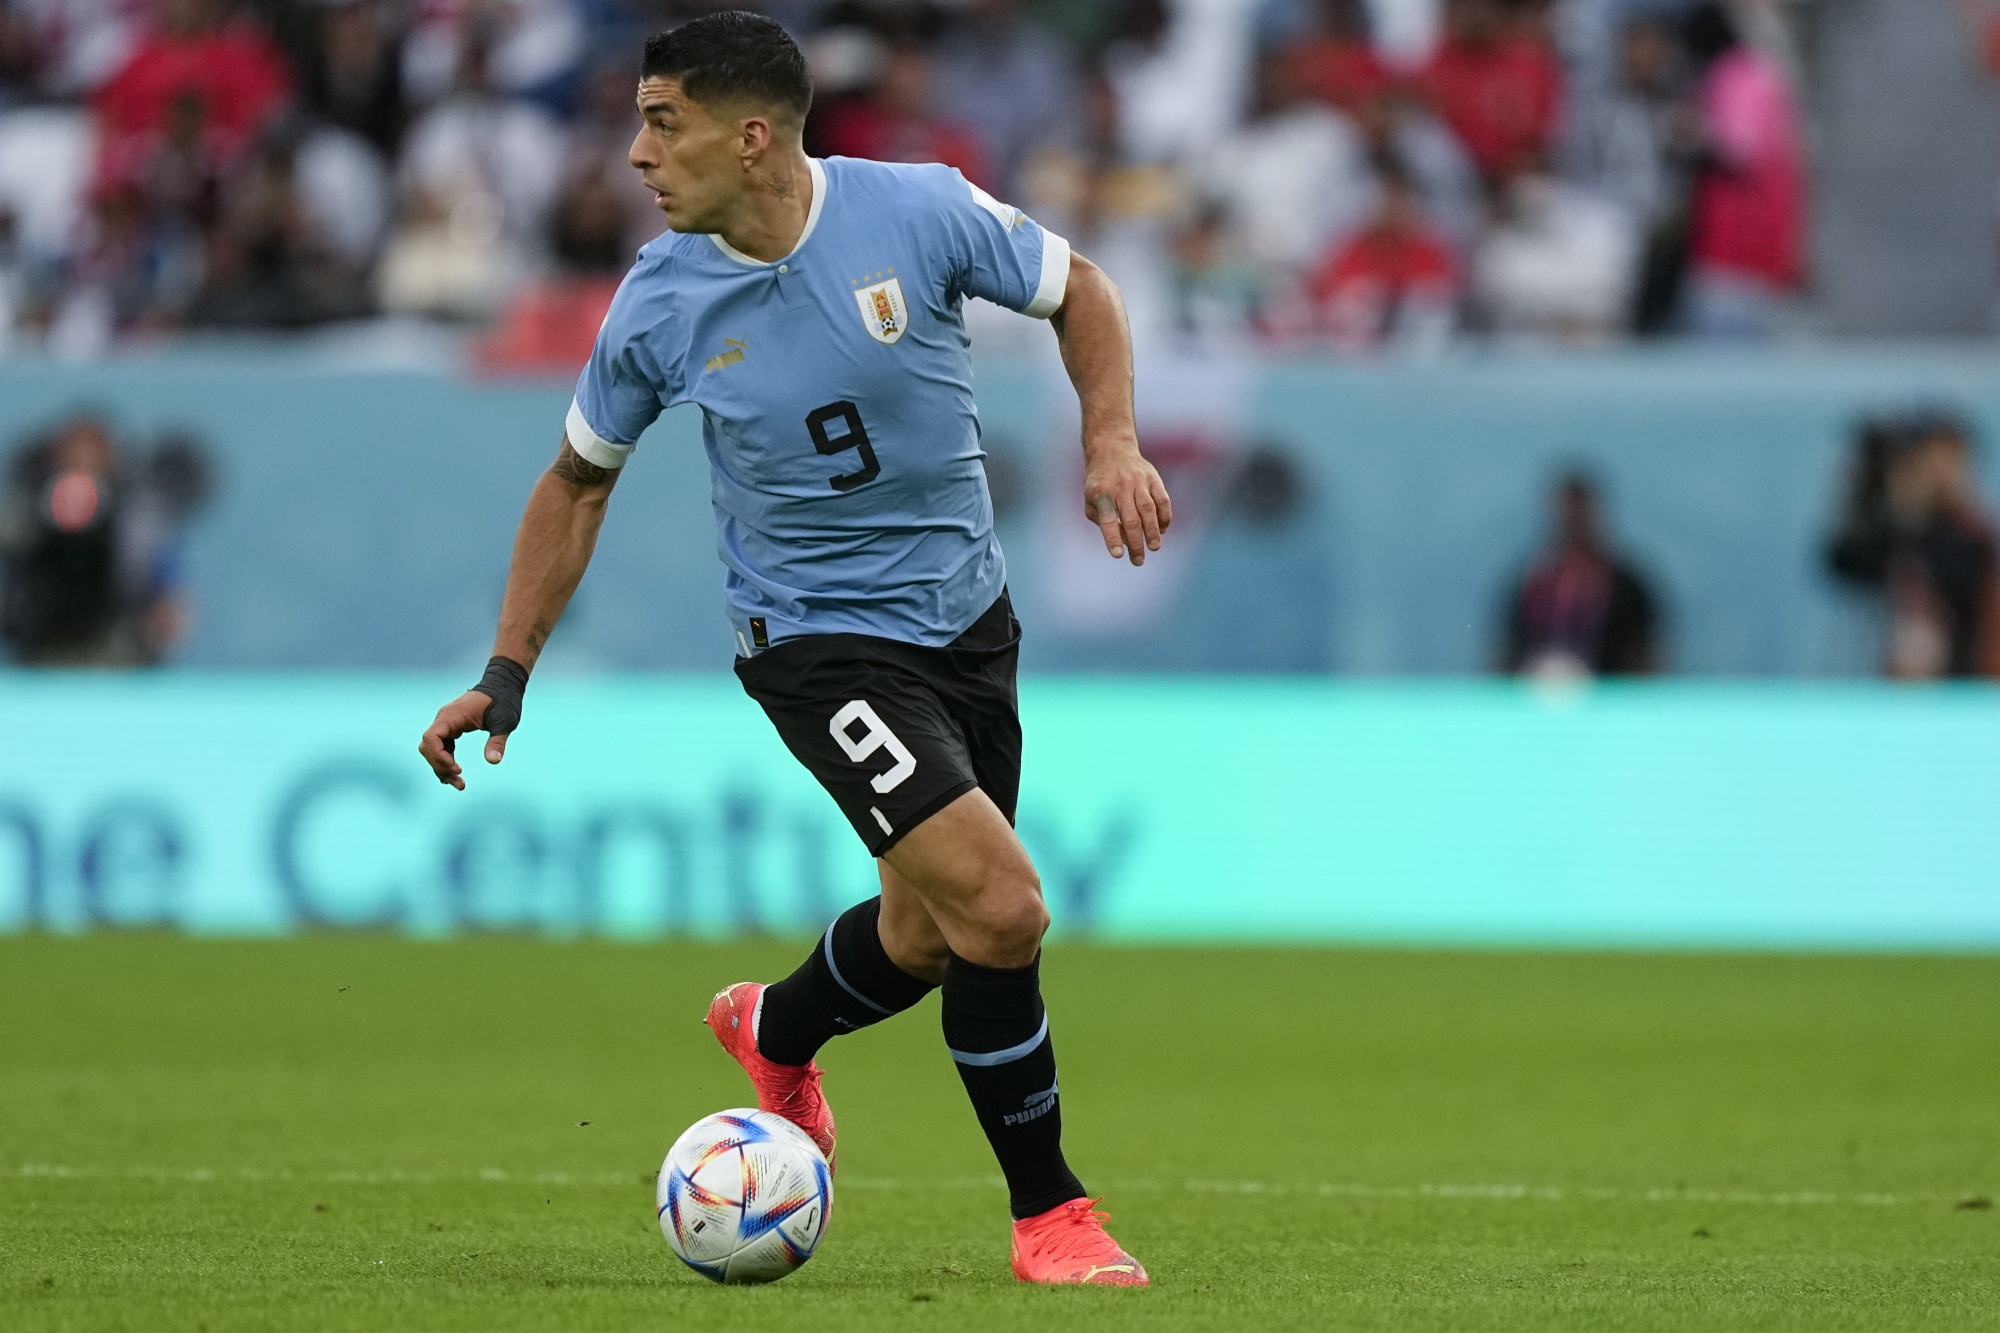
(812, 309)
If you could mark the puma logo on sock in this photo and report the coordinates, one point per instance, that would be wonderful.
(1033, 1108)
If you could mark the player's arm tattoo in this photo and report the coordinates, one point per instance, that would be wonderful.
(577, 470)
(538, 639)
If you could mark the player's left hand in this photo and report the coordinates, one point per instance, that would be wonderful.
(1124, 496)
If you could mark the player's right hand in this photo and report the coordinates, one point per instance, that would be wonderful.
(1124, 496)
(465, 713)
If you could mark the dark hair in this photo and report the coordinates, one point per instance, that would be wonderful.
(1709, 31)
(734, 56)
(1579, 482)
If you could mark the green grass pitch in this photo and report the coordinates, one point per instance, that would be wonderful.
(375, 1134)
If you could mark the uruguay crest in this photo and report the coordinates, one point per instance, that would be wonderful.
(883, 310)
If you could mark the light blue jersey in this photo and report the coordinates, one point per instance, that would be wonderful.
(836, 393)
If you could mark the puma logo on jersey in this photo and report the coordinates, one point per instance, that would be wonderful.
(884, 313)
(733, 350)
(1007, 215)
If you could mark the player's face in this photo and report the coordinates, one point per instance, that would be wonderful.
(690, 158)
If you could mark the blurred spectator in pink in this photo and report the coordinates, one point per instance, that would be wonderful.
(1392, 282)
(196, 60)
(898, 120)
(1581, 609)
(1012, 84)
(1747, 219)
(1332, 58)
(1916, 529)
(1496, 81)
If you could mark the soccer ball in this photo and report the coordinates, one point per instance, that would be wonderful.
(743, 1196)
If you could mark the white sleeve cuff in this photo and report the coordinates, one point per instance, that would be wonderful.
(1054, 285)
(592, 447)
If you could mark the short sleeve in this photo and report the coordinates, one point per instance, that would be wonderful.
(1004, 255)
(621, 390)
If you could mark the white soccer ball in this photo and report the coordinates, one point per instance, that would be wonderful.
(743, 1196)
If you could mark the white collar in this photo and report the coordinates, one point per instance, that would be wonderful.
(812, 220)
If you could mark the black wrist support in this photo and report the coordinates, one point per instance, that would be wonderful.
(504, 682)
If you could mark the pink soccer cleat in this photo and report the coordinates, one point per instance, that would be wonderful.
(1068, 1246)
(791, 1091)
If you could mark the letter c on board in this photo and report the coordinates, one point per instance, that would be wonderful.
(308, 904)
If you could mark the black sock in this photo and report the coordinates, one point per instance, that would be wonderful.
(846, 983)
(998, 1033)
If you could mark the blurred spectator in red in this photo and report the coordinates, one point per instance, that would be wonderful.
(193, 53)
(356, 78)
(1012, 84)
(898, 120)
(1496, 81)
(1333, 59)
(1326, 48)
(1581, 610)
(1395, 125)
(1916, 528)
(1394, 281)
(1747, 220)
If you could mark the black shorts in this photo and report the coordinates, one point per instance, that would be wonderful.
(895, 731)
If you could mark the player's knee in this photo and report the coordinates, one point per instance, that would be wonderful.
(1017, 919)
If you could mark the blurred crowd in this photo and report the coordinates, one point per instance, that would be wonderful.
(1345, 173)
(1913, 539)
(95, 521)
